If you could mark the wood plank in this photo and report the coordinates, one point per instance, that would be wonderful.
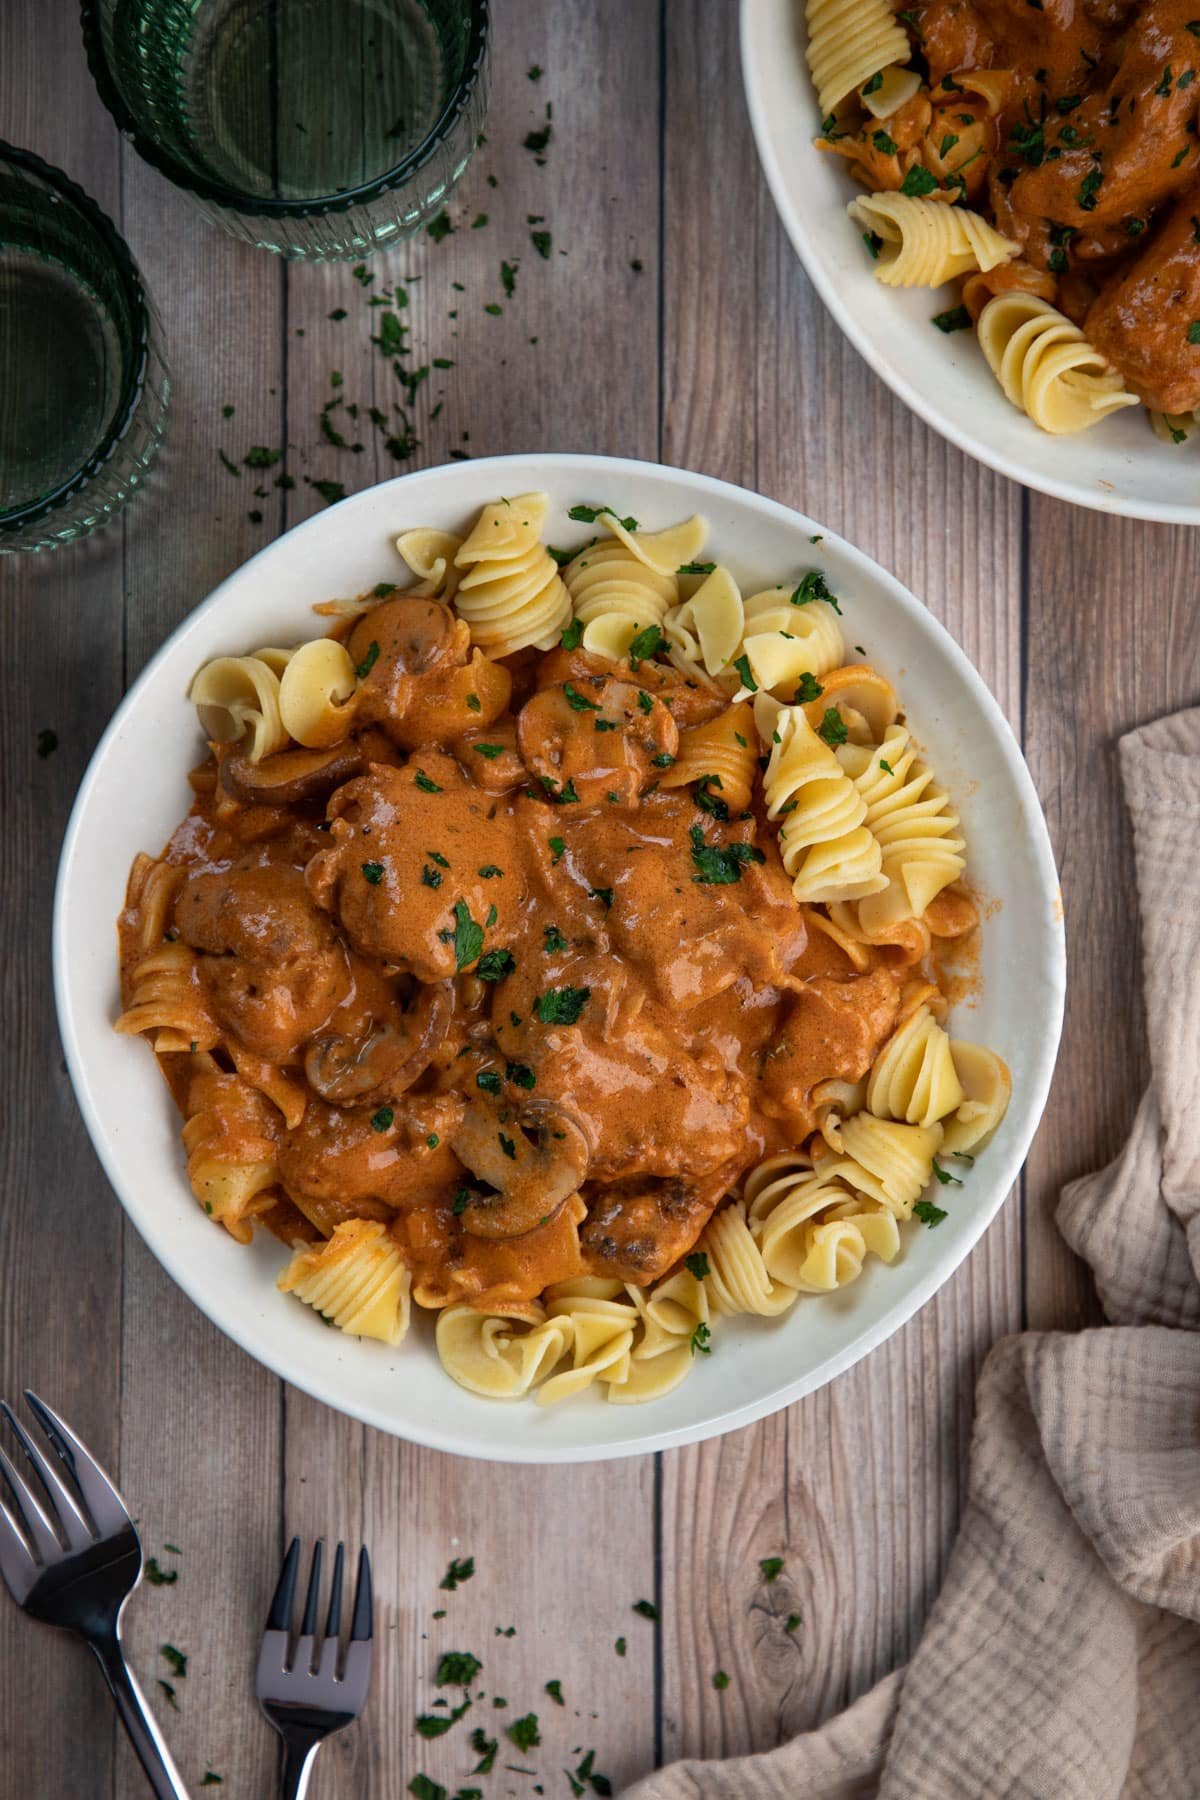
(1112, 643)
(590, 381)
(60, 1233)
(859, 1486)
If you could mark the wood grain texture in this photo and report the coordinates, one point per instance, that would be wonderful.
(671, 320)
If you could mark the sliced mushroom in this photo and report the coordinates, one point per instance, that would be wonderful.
(534, 1158)
(389, 1058)
(290, 775)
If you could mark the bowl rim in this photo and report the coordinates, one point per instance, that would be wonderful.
(169, 1251)
(920, 401)
(266, 206)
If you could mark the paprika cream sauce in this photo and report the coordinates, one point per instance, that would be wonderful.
(476, 938)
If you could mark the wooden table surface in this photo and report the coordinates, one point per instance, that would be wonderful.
(673, 322)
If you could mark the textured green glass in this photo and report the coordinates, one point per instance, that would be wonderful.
(317, 128)
(83, 384)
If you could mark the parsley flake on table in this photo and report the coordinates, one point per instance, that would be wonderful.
(928, 1213)
(210, 1778)
(177, 1661)
(440, 227)
(524, 1732)
(457, 1668)
(554, 1689)
(562, 1006)
(433, 1725)
(485, 1749)
(330, 491)
(620, 1646)
(772, 1567)
(169, 1691)
(542, 243)
(720, 1681)
(157, 1576)
(421, 1788)
(791, 1622)
(646, 1609)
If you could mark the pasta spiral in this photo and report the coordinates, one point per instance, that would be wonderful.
(913, 823)
(914, 1078)
(785, 638)
(737, 1279)
(721, 753)
(430, 555)
(887, 1161)
(926, 243)
(825, 846)
(848, 42)
(231, 1141)
(614, 595)
(500, 1358)
(1046, 366)
(602, 1326)
(167, 1002)
(703, 633)
(987, 1089)
(511, 594)
(358, 1279)
(316, 694)
(238, 697)
(812, 1232)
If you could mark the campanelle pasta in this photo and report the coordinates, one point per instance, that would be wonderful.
(923, 244)
(1046, 366)
(462, 881)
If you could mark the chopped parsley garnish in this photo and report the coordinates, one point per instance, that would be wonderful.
(474, 702)
(928, 1213)
(554, 1689)
(620, 1646)
(587, 515)
(425, 784)
(468, 936)
(717, 867)
(742, 665)
(603, 895)
(1164, 85)
(438, 858)
(259, 457)
(557, 847)
(491, 751)
(572, 635)
(833, 727)
(1086, 198)
(542, 243)
(169, 1691)
(421, 1788)
(720, 1681)
(1179, 156)
(373, 872)
(562, 1006)
(808, 690)
(695, 568)
(645, 1609)
(874, 243)
(708, 802)
(330, 491)
(884, 144)
(644, 645)
(886, 767)
(175, 1658)
(944, 1175)
(489, 871)
(521, 1075)
(508, 1145)
(485, 1749)
(433, 1725)
(645, 700)
(159, 1577)
(947, 144)
(1135, 227)
(696, 1264)
(553, 940)
(1193, 332)
(430, 878)
(463, 1197)
(495, 965)
(457, 1668)
(368, 662)
(382, 1120)
(577, 701)
(663, 760)
(457, 1572)
(488, 1080)
(440, 227)
(524, 1732)
(813, 586)
(508, 279)
(918, 182)
(701, 1340)
(873, 86)
(955, 318)
(772, 1567)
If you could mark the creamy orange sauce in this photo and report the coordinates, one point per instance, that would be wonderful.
(512, 1020)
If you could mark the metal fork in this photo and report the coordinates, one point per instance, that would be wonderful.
(303, 1695)
(75, 1566)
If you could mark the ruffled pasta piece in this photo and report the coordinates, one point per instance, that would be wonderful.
(237, 697)
(705, 631)
(925, 243)
(358, 1279)
(814, 1234)
(866, 703)
(511, 594)
(826, 848)
(895, 89)
(1046, 366)
(287, 1092)
(615, 594)
(786, 638)
(849, 41)
(167, 1003)
(720, 753)
(914, 1078)
(675, 1317)
(665, 552)
(737, 1279)
(498, 1357)
(833, 1101)
(230, 1137)
(430, 555)
(149, 898)
(602, 1331)
(987, 1089)
(317, 694)
(651, 1380)
(914, 824)
(887, 1161)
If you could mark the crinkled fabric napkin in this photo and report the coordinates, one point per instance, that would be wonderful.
(1062, 1657)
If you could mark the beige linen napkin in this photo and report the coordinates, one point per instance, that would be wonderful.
(1062, 1657)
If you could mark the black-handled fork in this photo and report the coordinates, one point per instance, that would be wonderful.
(307, 1696)
(72, 1559)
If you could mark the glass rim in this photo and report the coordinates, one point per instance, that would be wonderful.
(267, 206)
(133, 380)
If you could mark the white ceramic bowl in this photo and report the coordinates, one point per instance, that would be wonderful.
(1118, 467)
(135, 791)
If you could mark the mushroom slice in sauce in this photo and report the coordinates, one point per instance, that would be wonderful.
(535, 1157)
(391, 1055)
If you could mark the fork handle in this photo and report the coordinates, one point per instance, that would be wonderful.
(138, 1720)
(297, 1767)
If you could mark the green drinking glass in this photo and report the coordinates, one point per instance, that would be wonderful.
(321, 129)
(83, 381)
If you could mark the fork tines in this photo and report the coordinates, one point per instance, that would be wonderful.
(78, 1503)
(298, 1659)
